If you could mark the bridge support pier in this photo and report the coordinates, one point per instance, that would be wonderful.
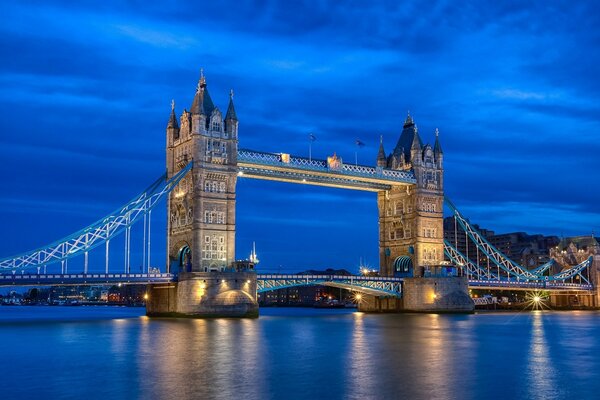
(437, 295)
(205, 295)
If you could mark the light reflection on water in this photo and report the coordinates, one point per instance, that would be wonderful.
(298, 353)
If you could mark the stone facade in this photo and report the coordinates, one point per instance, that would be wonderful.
(411, 217)
(201, 225)
(205, 294)
(437, 294)
(201, 222)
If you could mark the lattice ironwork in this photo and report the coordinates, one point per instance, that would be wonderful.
(305, 177)
(470, 268)
(99, 232)
(284, 161)
(513, 270)
(18, 279)
(370, 285)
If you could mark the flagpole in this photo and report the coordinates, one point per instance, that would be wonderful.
(359, 144)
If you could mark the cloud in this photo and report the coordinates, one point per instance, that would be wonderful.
(512, 86)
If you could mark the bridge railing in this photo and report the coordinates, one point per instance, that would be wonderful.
(511, 271)
(316, 165)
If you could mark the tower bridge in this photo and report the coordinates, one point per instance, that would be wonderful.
(419, 271)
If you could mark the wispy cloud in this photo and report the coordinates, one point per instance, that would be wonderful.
(512, 86)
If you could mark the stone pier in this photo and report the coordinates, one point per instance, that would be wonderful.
(205, 295)
(437, 295)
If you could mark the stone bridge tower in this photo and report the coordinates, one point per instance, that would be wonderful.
(411, 217)
(201, 216)
(202, 208)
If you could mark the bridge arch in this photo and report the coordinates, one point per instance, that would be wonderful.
(374, 286)
(403, 265)
(184, 258)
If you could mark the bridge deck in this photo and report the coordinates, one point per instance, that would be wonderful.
(266, 282)
(287, 168)
(82, 279)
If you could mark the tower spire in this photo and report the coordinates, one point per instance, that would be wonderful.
(437, 148)
(172, 117)
(381, 159)
(409, 120)
(202, 104)
(231, 115)
(416, 142)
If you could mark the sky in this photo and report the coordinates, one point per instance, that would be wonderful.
(512, 86)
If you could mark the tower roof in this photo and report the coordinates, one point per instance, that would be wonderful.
(409, 121)
(381, 158)
(437, 148)
(231, 109)
(202, 103)
(408, 138)
(172, 117)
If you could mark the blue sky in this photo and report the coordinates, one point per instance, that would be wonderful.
(512, 86)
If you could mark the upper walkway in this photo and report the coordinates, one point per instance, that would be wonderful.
(332, 172)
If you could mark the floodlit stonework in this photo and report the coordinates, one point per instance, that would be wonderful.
(411, 217)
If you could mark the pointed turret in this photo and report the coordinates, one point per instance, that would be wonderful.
(381, 158)
(438, 153)
(231, 115)
(416, 147)
(408, 139)
(416, 144)
(172, 117)
(437, 148)
(202, 104)
(172, 126)
(231, 121)
(197, 104)
(409, 121)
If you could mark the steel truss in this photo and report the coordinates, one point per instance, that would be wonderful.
(83, 279)
(379, 286)
(313, 171)
(511, 268)
(99, 232)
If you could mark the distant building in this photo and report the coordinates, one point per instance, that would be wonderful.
(575, 250)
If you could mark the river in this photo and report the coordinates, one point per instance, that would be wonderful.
(118, 353)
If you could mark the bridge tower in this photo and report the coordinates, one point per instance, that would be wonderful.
(411, 236)
(201, 210)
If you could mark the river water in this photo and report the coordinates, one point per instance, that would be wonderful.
(117, 353)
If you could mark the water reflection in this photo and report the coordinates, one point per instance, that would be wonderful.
(298, 354)
(540, 369)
